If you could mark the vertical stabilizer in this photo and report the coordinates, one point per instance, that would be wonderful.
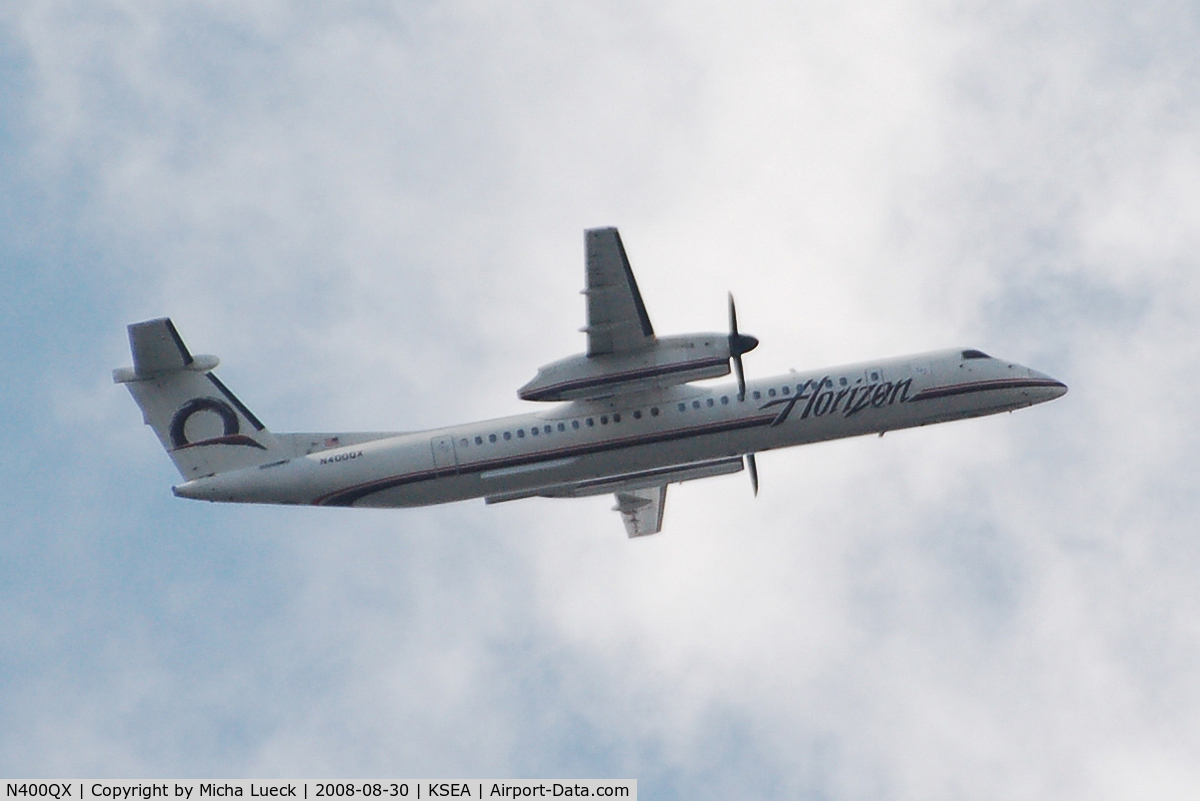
(204, 428)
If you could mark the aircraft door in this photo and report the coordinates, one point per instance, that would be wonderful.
(443, 452)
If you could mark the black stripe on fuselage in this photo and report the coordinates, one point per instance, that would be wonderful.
(551, 392)
(347, 496)
(983, 386)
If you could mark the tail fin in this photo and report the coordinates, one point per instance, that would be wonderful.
(204, 428)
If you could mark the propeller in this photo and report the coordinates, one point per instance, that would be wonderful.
(739, 344)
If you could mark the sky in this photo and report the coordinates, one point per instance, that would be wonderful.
(373, 213)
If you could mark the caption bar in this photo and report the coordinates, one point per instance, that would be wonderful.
(339, 791)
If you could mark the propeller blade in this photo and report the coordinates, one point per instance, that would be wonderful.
(752, 466)
(738, 344)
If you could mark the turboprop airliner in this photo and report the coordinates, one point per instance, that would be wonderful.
(625, 417)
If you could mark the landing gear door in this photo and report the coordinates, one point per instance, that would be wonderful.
(443, 452)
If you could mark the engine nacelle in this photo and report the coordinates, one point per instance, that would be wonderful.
(670, 361)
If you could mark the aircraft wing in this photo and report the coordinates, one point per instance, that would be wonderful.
(641, 495)
(642, 510)
(617, 322)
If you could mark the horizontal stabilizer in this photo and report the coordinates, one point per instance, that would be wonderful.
(157, 349)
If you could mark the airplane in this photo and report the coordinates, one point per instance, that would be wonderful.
(628, 417)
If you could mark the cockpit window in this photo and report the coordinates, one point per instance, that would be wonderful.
(975, 354)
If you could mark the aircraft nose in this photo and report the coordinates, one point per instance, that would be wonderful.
(1052, 387)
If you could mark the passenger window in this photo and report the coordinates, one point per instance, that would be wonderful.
(757, 395)
(508, 435)
(463, 442)
(709, 402)
(683, 407)
(616, 417)
(548, 429)
(604, 419)
(843, 381)
(654, 411)
(479, 440)
(574, 424)
(785, 389)
(874, 375)
(563, 426)
(534, 431)
(696, 404)
(491, 437)
(591, 422)
(771, 392)
(637, 414)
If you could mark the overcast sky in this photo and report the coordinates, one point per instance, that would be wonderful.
(373, 213)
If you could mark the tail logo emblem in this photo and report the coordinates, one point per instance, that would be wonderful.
(229, 421)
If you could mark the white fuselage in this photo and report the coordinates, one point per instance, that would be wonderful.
(655, 433)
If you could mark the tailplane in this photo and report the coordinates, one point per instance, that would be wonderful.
(204, 428)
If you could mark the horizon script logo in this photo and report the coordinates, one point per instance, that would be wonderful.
(848, 400)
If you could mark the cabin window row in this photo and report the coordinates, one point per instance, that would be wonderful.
(550, 428)
(773, 392)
